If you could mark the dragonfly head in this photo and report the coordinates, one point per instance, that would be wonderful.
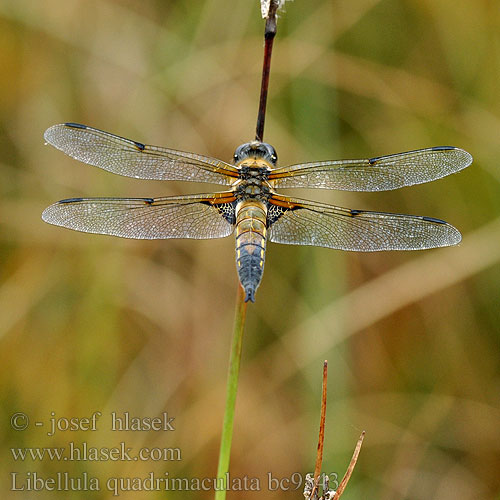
(256, 150)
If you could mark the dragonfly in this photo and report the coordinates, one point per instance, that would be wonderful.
(250, 206)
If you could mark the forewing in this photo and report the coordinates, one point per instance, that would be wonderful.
(200, 216)
(300, 222)
(134, 159)
(375, 174)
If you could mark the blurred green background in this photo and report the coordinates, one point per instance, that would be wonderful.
(93, 323)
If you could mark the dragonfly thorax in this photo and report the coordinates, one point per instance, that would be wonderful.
(254, 170)
(252, 188)
(255, 161)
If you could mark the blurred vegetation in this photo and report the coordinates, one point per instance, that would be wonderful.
(92, 323)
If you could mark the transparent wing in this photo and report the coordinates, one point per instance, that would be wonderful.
(300, 222)
(134, 159)
(199, 216)
(375, 174)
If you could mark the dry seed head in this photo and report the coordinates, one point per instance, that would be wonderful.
(265, 4)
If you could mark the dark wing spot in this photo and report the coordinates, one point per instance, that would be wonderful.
(75, 125)
(140, 146)
(71, 200)
(148, 201)
(274, 212)
(356, 212)
(372, 161)
(227, 210)
(442, 148)
(432, 219)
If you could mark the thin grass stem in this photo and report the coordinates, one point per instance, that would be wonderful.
(232, 387)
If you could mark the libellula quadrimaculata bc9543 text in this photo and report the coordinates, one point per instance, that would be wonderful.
(251, 206)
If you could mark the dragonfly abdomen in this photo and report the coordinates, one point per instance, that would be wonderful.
(251, 216)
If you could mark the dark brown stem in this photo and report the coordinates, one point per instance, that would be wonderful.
(352, 464)
(269, 34)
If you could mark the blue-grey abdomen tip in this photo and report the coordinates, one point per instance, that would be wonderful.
(250, 295)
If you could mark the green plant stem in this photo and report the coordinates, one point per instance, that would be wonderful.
(232, 387)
